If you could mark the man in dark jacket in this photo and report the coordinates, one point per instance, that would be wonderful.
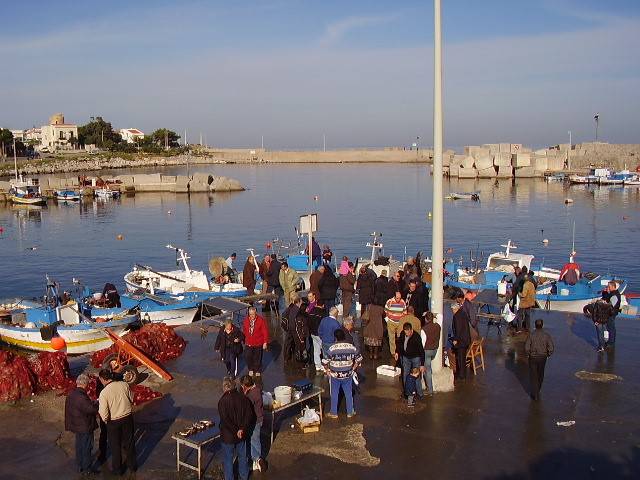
(236, 419)
(314, 280)
(254, 393)
(288, 323)
(328, 286)
(229, 345)
(80, 418)
(417, 298)
(539, 347)
(315, 313)
(397, 284)
(410, 352)
(612, 295)
(381, 292)
(365, 286)
(461, 340)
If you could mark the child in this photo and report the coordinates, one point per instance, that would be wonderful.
(410, 386)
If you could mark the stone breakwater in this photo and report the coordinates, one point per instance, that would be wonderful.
(132, 184)
(95, 163)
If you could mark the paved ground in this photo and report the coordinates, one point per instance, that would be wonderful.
(487, 428)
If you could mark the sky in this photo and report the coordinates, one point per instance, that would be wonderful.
(359, 72)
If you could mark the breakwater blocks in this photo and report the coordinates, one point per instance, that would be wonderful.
(196, 183)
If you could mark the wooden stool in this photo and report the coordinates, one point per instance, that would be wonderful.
(475, 355)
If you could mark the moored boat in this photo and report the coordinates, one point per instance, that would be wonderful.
(560, 296)
(193, 284)
(106, 192)
(26, 192)
(67, 195)
(475, 196)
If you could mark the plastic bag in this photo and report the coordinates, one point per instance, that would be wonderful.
(309, 415)
(507, 314)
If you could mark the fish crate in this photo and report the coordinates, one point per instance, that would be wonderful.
(308, 427)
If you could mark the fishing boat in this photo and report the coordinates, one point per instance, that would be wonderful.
(193, 284)
(26, 192)
(594, 176)
(557, 295)
(34, 326)
(67, 195)
(630, 305)
(475, 196)
(377, 260)
(106, 192)
(499, 265)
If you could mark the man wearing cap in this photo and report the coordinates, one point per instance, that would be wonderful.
(80, 418)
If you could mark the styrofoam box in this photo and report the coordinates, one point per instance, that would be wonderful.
(388, 371)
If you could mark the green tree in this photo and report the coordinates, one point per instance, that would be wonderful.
(164, 136)
(100, 133)
(6, 141)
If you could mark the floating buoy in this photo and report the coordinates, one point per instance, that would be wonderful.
(315, 197)
(119, 237)
(169, 212)
(35, 247)
(624, 219)
(58, 343)
(429, 215)
(567, 201)
(267, 245)
(545, 241)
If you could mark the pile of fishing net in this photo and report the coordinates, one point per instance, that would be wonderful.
(156, 340)
(51, 370)
(141, 394)
(16, 378)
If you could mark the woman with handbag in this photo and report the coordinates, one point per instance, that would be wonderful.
(229, 344)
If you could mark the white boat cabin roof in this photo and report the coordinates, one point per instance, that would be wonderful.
(501, 259)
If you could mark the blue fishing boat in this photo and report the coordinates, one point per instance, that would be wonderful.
(57, 323)
(558, 295)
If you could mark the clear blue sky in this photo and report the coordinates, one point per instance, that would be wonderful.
(358, 71)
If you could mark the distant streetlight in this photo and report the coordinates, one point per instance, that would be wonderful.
(596, 117)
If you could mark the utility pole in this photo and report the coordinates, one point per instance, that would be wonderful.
(442, 377)
(185, 138)
(262, 142)
(596, 117)
(569, 152)
(324, 142)
(200, 138)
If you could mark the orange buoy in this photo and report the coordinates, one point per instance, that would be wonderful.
(119, 237)
(58, 343)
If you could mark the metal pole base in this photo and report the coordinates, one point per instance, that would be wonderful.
(443, 380)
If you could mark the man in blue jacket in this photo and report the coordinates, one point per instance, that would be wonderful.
(327, 328)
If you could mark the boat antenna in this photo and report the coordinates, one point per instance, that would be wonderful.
(573, 239)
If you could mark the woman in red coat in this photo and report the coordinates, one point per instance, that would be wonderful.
(256, 334)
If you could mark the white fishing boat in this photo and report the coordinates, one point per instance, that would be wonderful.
(26, 192)
(106, 193)
(594, 176)
(378, 261)
(475, 196)
(191, 283)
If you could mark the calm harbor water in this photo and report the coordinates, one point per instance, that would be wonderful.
(67, 241)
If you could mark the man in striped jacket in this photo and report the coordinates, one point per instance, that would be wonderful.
(394, 309)
(340, 363)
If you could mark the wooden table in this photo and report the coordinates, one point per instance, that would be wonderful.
(315, 392)
(196, 442)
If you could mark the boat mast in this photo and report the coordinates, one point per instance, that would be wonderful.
(15, 159)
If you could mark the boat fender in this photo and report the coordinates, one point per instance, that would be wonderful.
(58, 343)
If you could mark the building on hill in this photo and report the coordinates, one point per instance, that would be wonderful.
(131, 135)
(59, 135)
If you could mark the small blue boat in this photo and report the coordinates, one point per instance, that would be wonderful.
(67, 196)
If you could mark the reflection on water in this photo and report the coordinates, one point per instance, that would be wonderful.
(353, 200)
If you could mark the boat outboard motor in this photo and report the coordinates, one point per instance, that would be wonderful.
(110, 293)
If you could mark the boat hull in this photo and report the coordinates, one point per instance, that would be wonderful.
(28, 200)
(171, 317)
(83, 338)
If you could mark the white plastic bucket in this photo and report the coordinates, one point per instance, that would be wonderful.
(502, 288)
(283, 394)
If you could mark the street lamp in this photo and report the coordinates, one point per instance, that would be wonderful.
(442, 377)
(596, 117)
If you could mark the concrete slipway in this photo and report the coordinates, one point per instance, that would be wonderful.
(488, 428)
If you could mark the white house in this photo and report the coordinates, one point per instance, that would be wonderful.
(18, 135)
(131, 135)
(58, 135)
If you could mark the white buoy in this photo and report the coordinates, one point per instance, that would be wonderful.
(545, 241)
(567, 201)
